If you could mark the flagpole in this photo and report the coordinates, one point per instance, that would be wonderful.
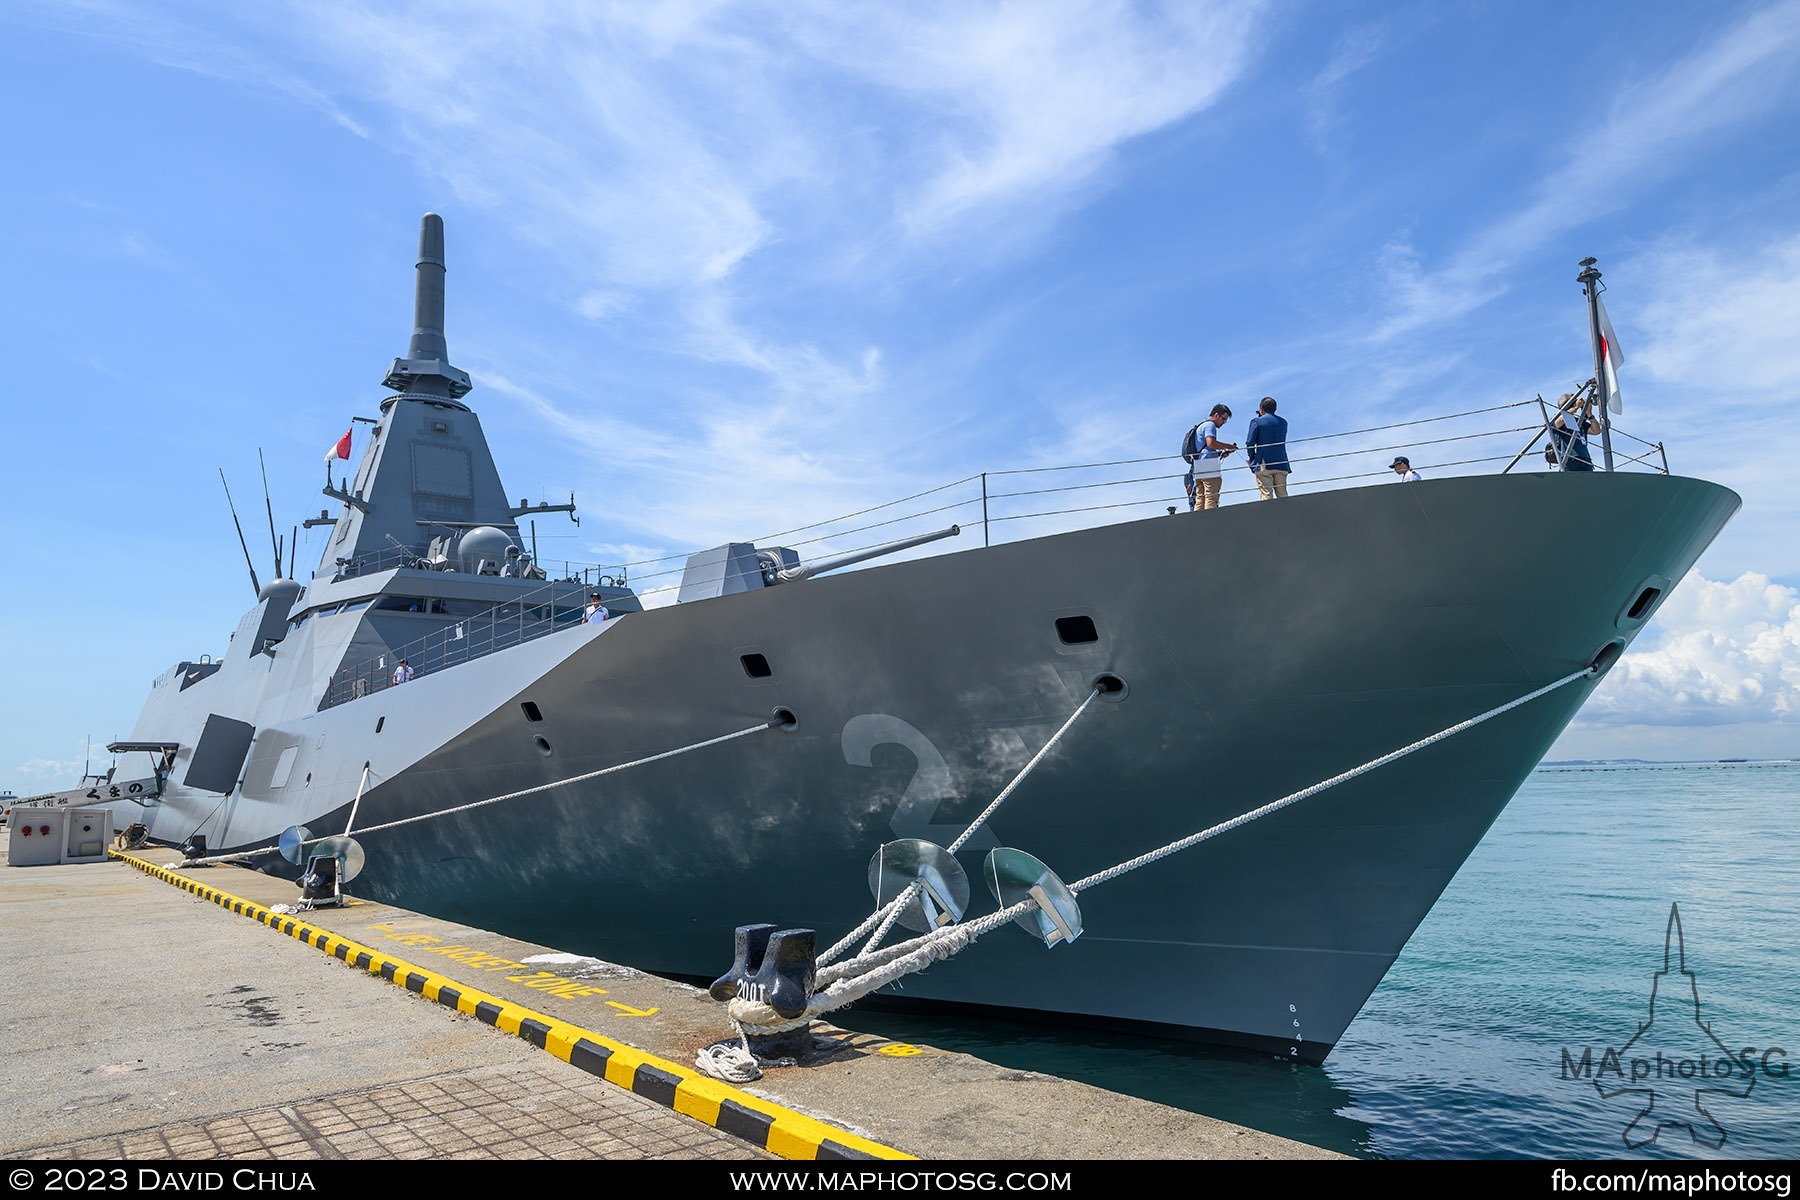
(1590, 283)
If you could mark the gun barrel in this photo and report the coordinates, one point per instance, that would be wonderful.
(793, 574)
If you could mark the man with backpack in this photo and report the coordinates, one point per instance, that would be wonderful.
(1204, 452)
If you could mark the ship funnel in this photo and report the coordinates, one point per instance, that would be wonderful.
(426, 369)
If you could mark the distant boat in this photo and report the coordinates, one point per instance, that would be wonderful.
(637, 788)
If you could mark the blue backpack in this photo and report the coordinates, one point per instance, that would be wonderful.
(1190, 445)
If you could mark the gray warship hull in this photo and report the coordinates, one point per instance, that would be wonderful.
(1252, 651)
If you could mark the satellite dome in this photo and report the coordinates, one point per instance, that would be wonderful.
(283, 591)
(484, 543)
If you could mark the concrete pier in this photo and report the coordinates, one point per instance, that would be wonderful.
(159, 1013)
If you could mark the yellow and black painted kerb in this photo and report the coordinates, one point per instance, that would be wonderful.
(778, 1130)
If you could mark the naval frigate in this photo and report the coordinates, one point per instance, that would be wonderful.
(638, 787)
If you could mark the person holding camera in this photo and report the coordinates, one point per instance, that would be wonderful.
(1569, 432)
(1208, 471)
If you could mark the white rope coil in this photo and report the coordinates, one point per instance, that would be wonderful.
(733, 1064)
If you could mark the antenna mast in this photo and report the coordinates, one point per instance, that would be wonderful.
(270, 509)
(426, 369)
(1590, 286)
(255, 586)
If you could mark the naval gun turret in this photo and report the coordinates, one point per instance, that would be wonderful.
(741, 567)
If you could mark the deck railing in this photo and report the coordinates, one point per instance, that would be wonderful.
(1024, 502)
(471, 636)
(1032, 501)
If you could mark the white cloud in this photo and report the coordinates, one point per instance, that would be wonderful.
(51, 773)
(669, 158)
(187, 46)
(1726, 653)
(1713, 368)
(1739, 75)
(1354, 50)
(601, 304)
(1024, 100)
(1722, 324)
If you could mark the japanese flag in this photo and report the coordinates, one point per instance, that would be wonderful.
(341, 447)
(1610, 356)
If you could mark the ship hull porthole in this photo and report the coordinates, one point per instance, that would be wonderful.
(543, 745)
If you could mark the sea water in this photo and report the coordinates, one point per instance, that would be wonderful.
(1490, 1036)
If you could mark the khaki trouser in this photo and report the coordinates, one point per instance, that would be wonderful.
(1206, 491)
(1271, 484)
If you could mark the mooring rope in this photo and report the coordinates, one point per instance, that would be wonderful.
(1315, 789)
(858, 977)
(738, 1063)
(362, 783)
(240, 856)
(771, 723)
(890, 912)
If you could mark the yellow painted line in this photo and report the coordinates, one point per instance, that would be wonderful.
(782, 1131)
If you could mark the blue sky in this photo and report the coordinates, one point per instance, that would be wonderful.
(722, 269)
